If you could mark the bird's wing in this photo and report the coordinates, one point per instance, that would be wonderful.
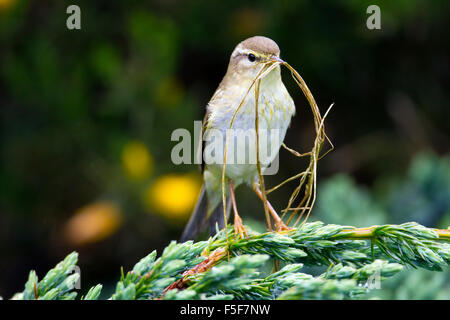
(201, 145)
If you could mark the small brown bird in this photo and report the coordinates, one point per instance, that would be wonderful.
(275, 111)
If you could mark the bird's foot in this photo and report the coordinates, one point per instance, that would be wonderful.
(239, 227)
(282, 227)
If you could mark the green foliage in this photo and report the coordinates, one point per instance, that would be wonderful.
(401, 244)
(148, 278)
(93, 293)
(424, 193)
(351, 268)
(342, 200)
(57, 284)
(322, 289)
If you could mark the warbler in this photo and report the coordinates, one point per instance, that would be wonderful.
(225, 110)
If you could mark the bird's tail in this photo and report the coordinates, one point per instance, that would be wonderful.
(199, 218)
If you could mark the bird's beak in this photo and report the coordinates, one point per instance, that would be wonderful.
(276, 59)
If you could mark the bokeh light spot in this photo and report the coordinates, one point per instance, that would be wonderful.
(93, 223)
(6, 4)
(173, 195)
(137, 160)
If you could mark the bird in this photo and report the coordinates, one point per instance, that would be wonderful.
(226, 112)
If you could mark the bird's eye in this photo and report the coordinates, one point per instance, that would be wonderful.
(251, 57)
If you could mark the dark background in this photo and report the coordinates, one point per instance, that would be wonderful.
(86, 119)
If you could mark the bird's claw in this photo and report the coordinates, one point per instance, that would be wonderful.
(239, 228)
(280, 226)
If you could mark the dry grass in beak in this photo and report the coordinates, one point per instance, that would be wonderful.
(309, 176)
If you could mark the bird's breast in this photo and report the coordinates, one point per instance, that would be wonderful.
(275, 109)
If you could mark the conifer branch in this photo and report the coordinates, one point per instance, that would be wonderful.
(202, 270)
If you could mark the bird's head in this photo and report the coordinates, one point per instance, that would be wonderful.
(251, 54)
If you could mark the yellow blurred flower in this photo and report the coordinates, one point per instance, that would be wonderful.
(93, 223)
(6, 4)
(137, 160)
(169, 92)
(173, 195)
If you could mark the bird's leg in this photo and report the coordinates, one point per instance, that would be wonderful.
(279, 224)
(238, 226)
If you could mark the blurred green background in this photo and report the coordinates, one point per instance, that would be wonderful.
(86, 119)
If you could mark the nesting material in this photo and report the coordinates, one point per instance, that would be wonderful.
(307, 179)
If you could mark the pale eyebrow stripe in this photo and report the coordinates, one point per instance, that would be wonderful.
(239, 52)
